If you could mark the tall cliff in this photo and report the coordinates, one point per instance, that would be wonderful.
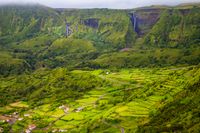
(42, 36)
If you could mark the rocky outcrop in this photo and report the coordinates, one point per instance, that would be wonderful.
(144, 19)
(91, 22)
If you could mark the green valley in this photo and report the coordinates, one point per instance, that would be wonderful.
(99, 70)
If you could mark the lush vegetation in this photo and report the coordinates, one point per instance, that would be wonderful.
(108, 102)
(181, 114)
(103, 76)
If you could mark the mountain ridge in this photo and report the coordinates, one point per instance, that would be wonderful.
(107, 30)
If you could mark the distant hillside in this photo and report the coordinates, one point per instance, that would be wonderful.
(22, 22)
(39, 36)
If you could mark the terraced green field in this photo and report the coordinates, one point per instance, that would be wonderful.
(127, 98)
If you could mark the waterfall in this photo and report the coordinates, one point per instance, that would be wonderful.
(135, 23)
(67, 29)
(133, 19)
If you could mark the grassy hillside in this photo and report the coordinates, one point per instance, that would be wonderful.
(26, 21)
(35, 38)
(179, 115)
(176, 28)
(10, 64)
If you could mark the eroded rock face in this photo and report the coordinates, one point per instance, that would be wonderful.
(144, 19)
(91, 22)
(69, 31)
(184, 11)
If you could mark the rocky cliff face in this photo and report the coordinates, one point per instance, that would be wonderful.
(91, 22)
(175, 28)
(144, 19)
(112, 26)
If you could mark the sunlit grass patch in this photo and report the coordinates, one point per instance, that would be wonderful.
(6, 109)
(44, 107)
(103, 102)
(60, 123)
(136, 111)
(63, 125)
(88, 100)
(121, 109)
(73, 116)
(155, 98)
(144, 104)
(78, 71)
(50, 119)
(56, 113)
(19, 104)
(98, 72)
(97, 92)
(40, 112)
